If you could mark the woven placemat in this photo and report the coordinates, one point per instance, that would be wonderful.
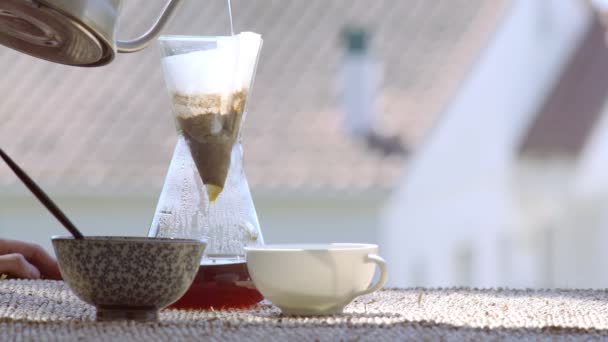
(47, 310)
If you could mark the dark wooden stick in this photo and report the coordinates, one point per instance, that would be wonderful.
(41, 196)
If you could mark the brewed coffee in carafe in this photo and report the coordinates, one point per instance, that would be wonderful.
(205, 194)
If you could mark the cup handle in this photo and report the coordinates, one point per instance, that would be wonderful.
(383, 275)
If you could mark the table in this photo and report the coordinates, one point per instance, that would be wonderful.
(47, 310)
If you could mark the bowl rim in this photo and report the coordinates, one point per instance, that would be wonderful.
(308, 247)
(143, 239)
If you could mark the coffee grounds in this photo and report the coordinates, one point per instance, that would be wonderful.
(210, 124)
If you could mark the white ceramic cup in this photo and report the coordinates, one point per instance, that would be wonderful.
(315, 279)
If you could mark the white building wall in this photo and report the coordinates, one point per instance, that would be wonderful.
(591, 177)
(590, 220)
(456, 192)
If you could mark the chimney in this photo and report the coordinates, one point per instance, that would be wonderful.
(359, 81)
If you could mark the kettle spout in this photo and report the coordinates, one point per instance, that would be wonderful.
(140, 43)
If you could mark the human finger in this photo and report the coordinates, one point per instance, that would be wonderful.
(16, 265)
(34, 254)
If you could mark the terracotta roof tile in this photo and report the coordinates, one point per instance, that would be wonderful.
(110, 129)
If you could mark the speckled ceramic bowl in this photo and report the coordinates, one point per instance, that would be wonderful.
(128, 277)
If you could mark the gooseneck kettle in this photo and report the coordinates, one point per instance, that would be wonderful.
(72, 32)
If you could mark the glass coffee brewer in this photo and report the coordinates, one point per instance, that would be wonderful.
(206, 194)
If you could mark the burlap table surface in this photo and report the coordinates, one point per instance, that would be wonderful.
(47, 310)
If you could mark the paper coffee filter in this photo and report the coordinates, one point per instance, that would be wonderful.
(249, 48)
(196, 70)
(224, 68)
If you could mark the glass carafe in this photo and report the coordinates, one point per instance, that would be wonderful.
(206, 194)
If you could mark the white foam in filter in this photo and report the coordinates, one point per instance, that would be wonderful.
(222, 69)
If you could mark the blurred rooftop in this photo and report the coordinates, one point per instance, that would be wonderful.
(110, 130)
(565, 122)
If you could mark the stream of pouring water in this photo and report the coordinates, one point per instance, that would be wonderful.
(230, 16)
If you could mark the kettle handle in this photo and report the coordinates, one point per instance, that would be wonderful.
(140, 43)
